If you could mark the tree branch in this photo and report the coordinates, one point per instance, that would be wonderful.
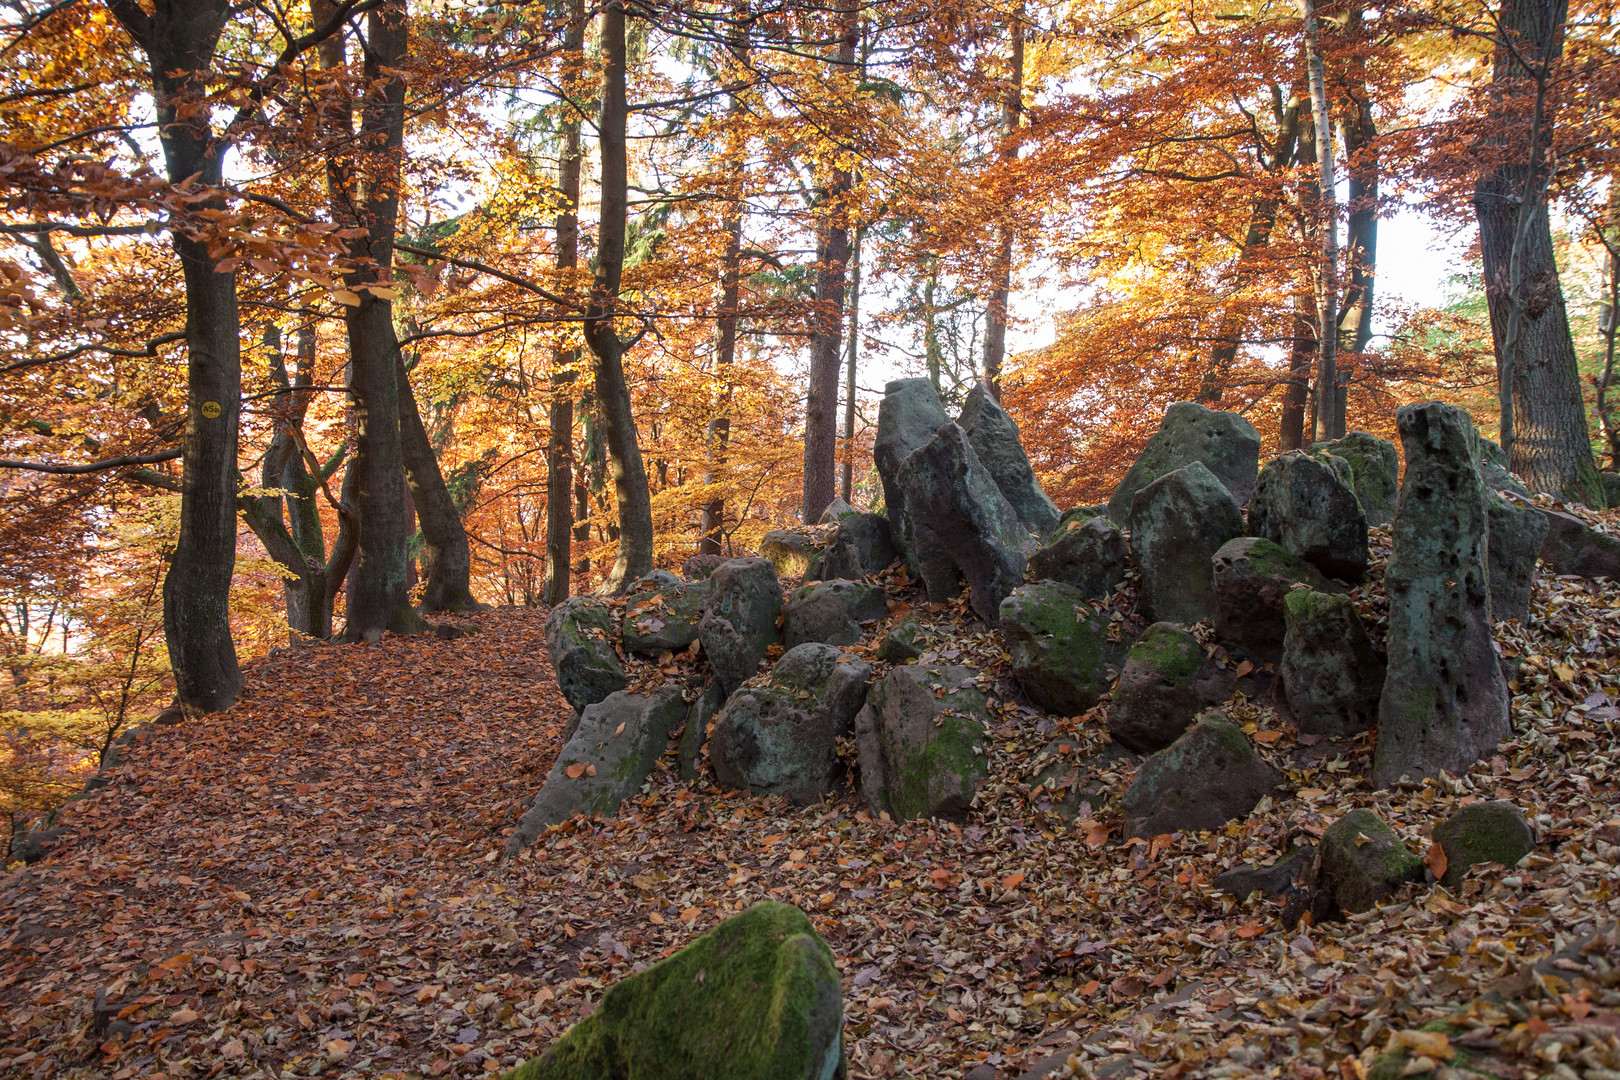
(93, 467)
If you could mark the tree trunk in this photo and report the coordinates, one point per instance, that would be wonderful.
(1330, 420)
(1607, 408)
(446, 558)
(1291, 433)
(1012, 113)
(613, 394)
(1361, 239)
(852, 354)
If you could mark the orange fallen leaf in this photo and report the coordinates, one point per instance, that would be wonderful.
(574, 772)
(1097, 835)
(1012, 881)
(1250, 930)
(656, 919)
(181, 1017)
(1435, 860)
(1267, 736)
(590, 770)
(690, 914)
(1244, 668)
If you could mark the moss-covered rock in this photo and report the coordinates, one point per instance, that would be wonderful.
(579, 637)
(1363, 861)
(1253, 575)
(862, 544)
(907, 640)
(1203, 780)
(740, 619)
(1483, 832)
(1090, 555)
(1374, 472)
(1224, 442)
(1166, 681)
(1061, 652)
(665, 619)
(1303, 501)
(789, 551)
(1177, 524)
(831, 612)
(1077, 515)
(921, 742)
(1330, 672)
(756, 998)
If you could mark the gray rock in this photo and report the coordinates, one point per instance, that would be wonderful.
(1574, 547)
(1225, 442)
(1089, 555)
(1330, 672)
(862, 544)
(1375, 472)
(34, 845)
(696, 732)
(837, 510)
(1445, 702)
(1063, 784)
(906, 641)
(1483, 832)
(1078, 514)
(1206, 778)
(994, 436)
(1362, 860)
(699, 567)
(1166, 682)
(614, 748)
(1252, 578)
(654, 579)
(1060, 649)
(781, 738)
(957, 524)
(1517, 533)
(831, 612)
(1493, 470)
(665, 619)
(579, 635)
(1273, 880)
(908, 417)
(739, 619)
(789, 550)
(921, 742)
(1304, 503)
(1178, 523)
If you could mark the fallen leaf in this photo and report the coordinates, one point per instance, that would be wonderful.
(574, 772)
(1435, 860)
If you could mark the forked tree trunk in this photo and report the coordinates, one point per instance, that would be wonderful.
(446, 557)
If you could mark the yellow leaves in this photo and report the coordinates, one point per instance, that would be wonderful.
(1429, 1044)
(345, 296)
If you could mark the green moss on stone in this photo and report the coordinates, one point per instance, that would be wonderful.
(1166, 650)
(950, 760)
(1483, 832)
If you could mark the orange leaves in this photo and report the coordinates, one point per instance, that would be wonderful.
(579, 769)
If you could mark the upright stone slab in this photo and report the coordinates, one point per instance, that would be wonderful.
(862, 544)
(789, 550)
(908, 417)
(1224, 442)
(1304, 503)
(1060, 650)
(1445, 703)
(1517, 534)
(957, 525)
(1493, 470)
(1375, 472)
(921, 741)
(696, 733)
(578, 637)
(1330, 672)
(1177, 524)
(1253, 577)
(739, 619)
(994, 436)
(1090, 556)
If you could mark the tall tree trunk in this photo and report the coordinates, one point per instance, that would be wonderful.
(1544, 428)
(1361, 239)
(612, 392)
(852, 353)
(1330, 421)
(1608, 317)
(1012, 113)
(826, 357)
(446, 557)
(1291, 428)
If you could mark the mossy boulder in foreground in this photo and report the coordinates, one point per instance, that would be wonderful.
(756, 998)
(577, 637)
(1483, 832)
(1206, 778)
(1363, 861)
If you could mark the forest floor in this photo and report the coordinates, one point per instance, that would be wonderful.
(312, 883)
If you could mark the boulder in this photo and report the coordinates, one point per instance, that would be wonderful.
(695, 734)
(34, 845)
(994, 437)
(1060, 649)
(579, 637)
(1203, 780)
(1178, 523)
(1252, 577)
(1225, 442)
(1304, 502)
(907, 640)
(921, 742)
(908, 417)
(781, 738)
(1574, 547)
(957, 524)
(1166, 682)
(740, 619)
(1493, 470)
(837, 510)
(1078, 515)
(1089, 555)
(1362, 860)
(1330, 672)
(1274, 880)
(831, 612)
(1445, 702)
(790, 551)
(1374, 472)
(1611, 489)
(615, 746)
(1064, 784)
(664, 620)
(757, 996)
(862, 544)
(1483, 832)
(699, 567)
(653, 579)
(1517, 533)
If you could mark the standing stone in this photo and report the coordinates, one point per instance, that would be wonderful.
(665, 619)
(1079, 515)
(790, 551)
(1574, 547)
(1177, 524)
(1445, 703)
(1483, 832)
(1060, 649)
(1330, 672)
(906, 641)
(1375, 472)
(578, 637)
(862, 544)
(1090, 556)
(699, 567)
(994, 436)
(1206, 778)
(697, 731)
(836, 511)
(957, 524)
(1225, 442)
(907, 418)
(739, 619)
(1166, 682)
(1517, 533)
(831, 612)
(1303, 503)
(1362, 861)
(781, 738)
(921, 742)
(1252, 578)
(1493, 470)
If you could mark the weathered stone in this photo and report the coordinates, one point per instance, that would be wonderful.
(653, 579)
(789, 550)
(908, 417)
(1177, 524)
(1374, 472)
(36, 844)
(1493, 470)
(1252, 577)
(1483, 832)
(1362, 860)
(1517, 533)
(699, 567)
(1304, 503)
(1060, 650)
(994, 436)
(781, 738)
(831, 612)
(1090, 556)
(698, 715)
(1167, 681)
(611, 752)
(1079, 515)
(837, 510)
(906, 641)
(957, 524)
(1225, 442)
(1574, 547)
(665, 619)
(757, 996)
(1273, 880)
(1206, 778)
(1445, 703)
(739, 619)
(862, 544)
(1611, 489)
(579, 638)
(920, 738)
(1330, 672)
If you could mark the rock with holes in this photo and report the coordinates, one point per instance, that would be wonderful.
(1252, 578)
(740, 619)
(921, 742)
(1304, 503)
(1206, 778)
(1330, 672)
(665, 619)
(1090, 555)
(1374, 472)
(1062, 653)
(579, 635)
(1167, 680)
(994, 436)
(831, 612)
(1177, 524)
(1226, 444)
(908, 417)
